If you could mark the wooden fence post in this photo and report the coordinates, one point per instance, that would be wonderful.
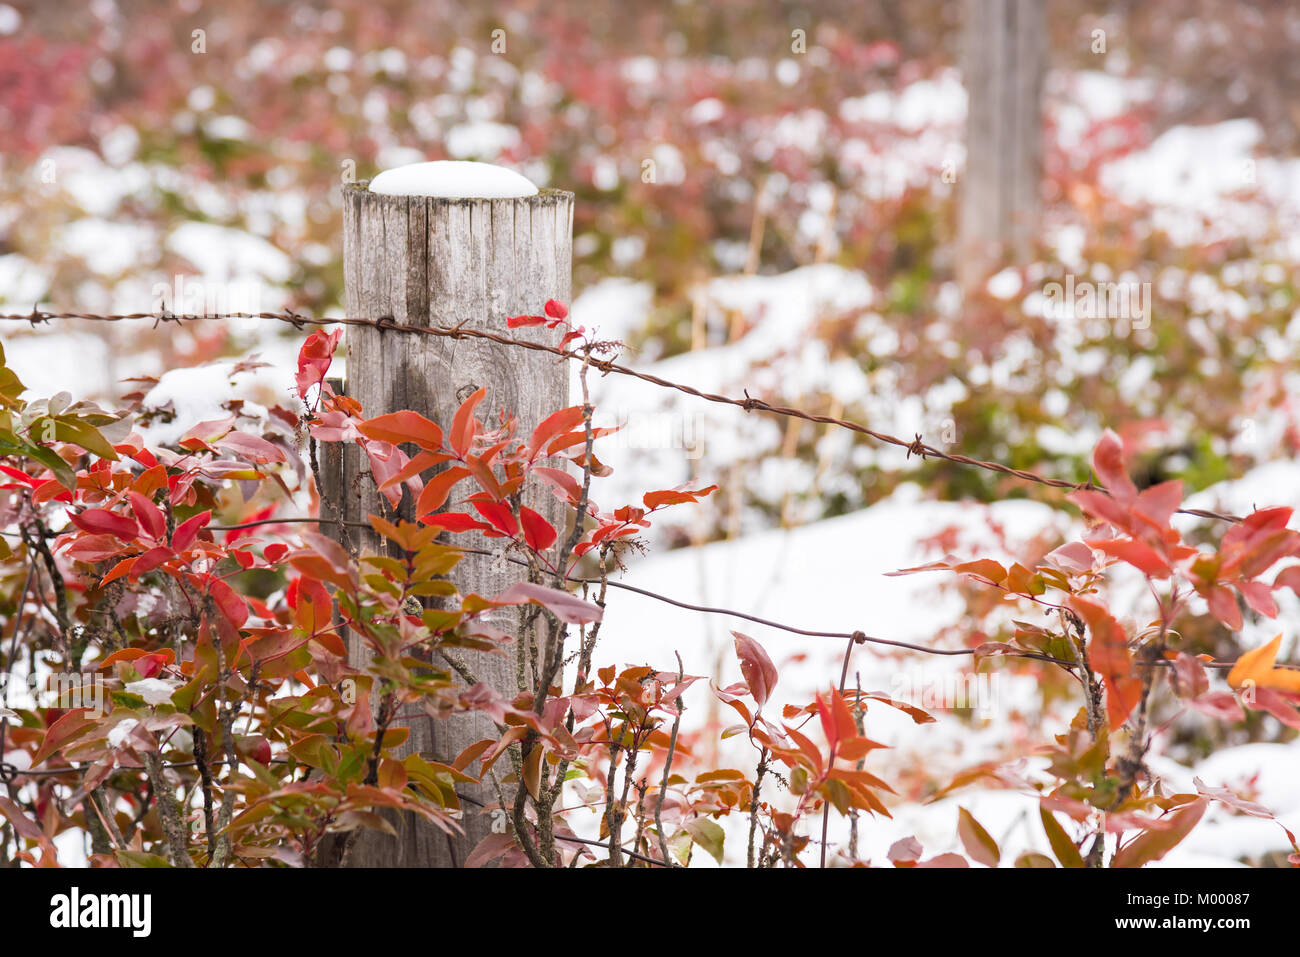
(434, 261)
(1004, 61)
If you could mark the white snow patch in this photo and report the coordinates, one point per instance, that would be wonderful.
(453, 179)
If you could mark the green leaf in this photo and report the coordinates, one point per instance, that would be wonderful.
(1034, 859)
(679, 845)
(47, 457)
(140, 859)
(68, 429)
(708, 835)
(1062, 846)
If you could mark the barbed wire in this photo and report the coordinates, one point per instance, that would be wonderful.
(916, 446)
(858, 637)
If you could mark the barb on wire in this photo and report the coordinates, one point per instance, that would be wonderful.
(857, 637)
(750, 404)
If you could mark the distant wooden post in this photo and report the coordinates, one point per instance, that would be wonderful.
(432, 261)
(1004, 62)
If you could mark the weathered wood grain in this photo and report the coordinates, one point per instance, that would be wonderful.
(429, 261)
(1004, 62)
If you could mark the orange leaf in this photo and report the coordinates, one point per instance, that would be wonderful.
(403, 426)
(1108, 653)
(463, 424)
(438, 488)
(984, 568)
(1256, 668)
(418, 464)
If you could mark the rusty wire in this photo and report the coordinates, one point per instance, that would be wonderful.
(917, 446)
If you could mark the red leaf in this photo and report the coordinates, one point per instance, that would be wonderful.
(100, 521)
(538, 532)
(978, 842)
(1259, 597)
(148, 515)
(1232, 800)
(500, 516)
(567, 484)
(556, 309)
(463, 424)
(454, 521)
(1158, 503)
(1075, 556)
(188, 530)
(94, 548)
(314, 359)
(1108, 460)
(516, 322)
(907, 850)
(1102, 506)
(24, 825)
(404, 426)
(252, 447)
(69, 725)
(1223, 606)
(418, 463)
(228, 602)
(150, 560)
(117, 571)
(1219, 704)
(568, 608)
(1141, 556)
(1153, 845)
(1275, 703)
(756, 667)
(945, 860)
(555, 424)
(483, 474)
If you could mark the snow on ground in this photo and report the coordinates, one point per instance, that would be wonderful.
(824, 576)
(1202, 183)
(829, 576)
(666, 435)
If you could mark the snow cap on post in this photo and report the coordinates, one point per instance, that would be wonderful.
(453, 179)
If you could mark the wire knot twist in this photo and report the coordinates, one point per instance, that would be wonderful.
(917, 447)
(750, 403)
